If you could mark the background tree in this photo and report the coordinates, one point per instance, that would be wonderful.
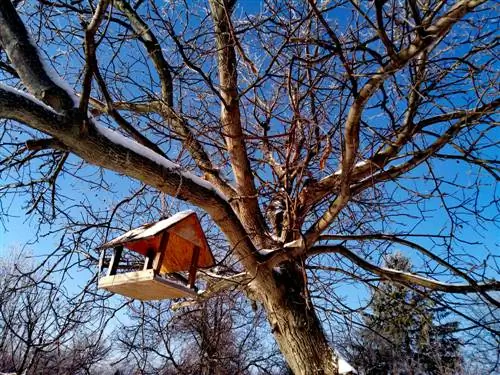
(42, 330)
(404, 333)
(343, 120)
(219, 336)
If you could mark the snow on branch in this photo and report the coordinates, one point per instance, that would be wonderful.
(117, 138)
(37, 75)
(403, 277)
(27, 96)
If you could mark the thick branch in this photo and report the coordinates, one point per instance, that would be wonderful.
(231, 121)
(421, 249)
(107, 149)
(28, 64)
(274, 258)
(420, 156)
(180, 127)
(44, 144)
(434, 33)
(166, 106)
(403, 277)
(90, 50)
(366, 168)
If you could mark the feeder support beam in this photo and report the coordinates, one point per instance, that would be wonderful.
(194, 267)
(160, 255)
(102, 255)
(148, 261)
(115, 259)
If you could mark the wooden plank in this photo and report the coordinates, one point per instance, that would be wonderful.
(144, 285)
(115, 259)
(148, 259)
(102, 255)
(194, 267)
(162, 250)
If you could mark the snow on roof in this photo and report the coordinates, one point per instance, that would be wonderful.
(148, 230)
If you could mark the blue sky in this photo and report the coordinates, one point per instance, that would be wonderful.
(20, 230)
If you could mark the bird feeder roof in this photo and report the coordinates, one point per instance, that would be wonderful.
(184, 234)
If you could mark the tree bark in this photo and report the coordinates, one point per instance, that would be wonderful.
(294, 323)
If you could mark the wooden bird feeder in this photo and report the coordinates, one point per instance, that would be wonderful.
(170, 246)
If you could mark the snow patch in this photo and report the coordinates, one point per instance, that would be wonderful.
(27, 96)
(345, 368)
(391, 270)
(338, 172)
(296, 243)
(267, 251)
(54, 76)
(361, 163)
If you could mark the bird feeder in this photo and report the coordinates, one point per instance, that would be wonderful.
(168, 247)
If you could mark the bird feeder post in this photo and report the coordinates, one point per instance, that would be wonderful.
(115, 259)
(194, 267)
(102, 255)
(148, 259)
(162, 250)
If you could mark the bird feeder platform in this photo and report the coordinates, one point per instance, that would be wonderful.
(170, 246)
(145, 286)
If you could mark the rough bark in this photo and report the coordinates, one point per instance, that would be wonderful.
(230, 117)
(293, 321)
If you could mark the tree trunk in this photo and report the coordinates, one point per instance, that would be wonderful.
(294, 323)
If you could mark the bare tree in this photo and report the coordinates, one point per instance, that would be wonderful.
(42, 330)
(314, 134)
(219, 336)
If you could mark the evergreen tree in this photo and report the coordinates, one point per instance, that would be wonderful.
(404, 334)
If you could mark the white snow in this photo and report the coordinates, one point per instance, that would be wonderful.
(361, 163)
(390, 270)
(120, 139)
(296, 243)
(149, 230)
(338, 172)
(267, 251)
(132, 145)
(27, 96)
(56, 78)
(136, 147)
(344, 367)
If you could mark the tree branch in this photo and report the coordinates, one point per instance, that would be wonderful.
(433, 33)
(28, 63)
(231, 122)
(166, 106)
(90, 49)
(421, 156)
(105, 148)
(421, 249)
(403, 277)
